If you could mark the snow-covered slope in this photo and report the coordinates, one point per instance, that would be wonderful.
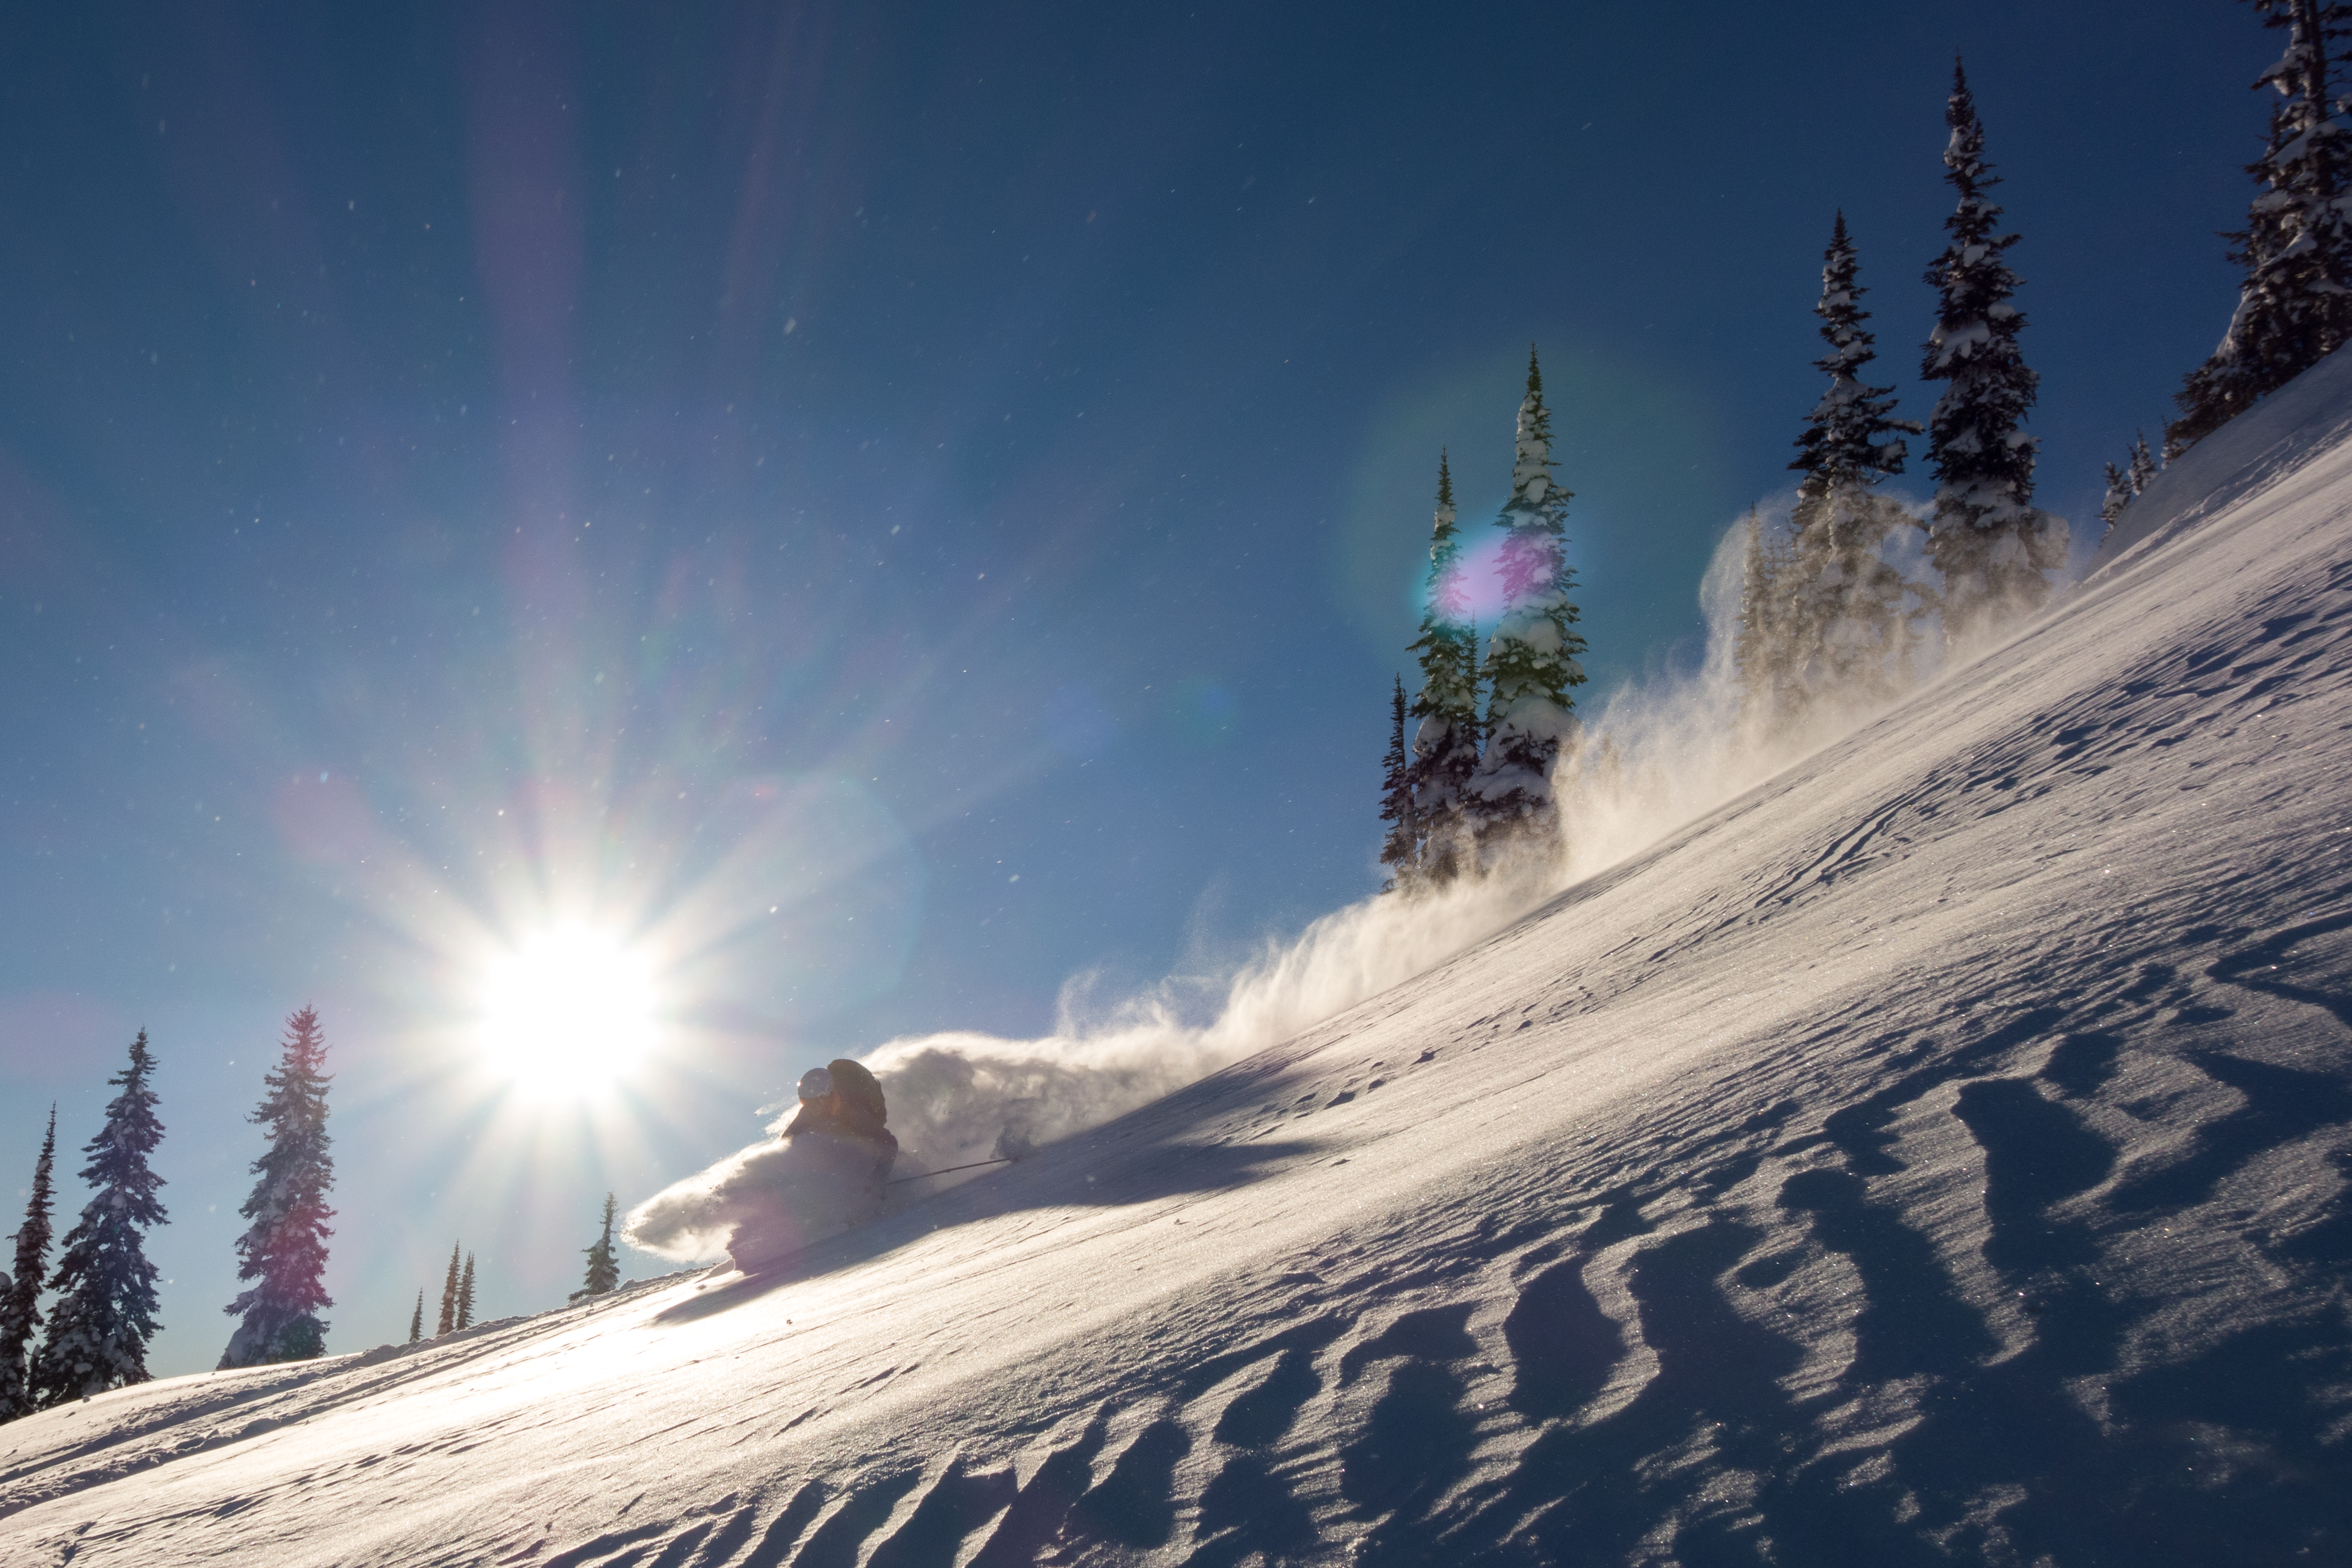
(1939, 1153)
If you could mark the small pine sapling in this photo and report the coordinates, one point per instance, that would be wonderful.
(604, 1271)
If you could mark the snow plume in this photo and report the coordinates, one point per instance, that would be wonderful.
(960, 1097)
(692, 1219)
(1654, 756)
(1658, 753)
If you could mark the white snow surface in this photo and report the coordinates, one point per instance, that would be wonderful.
(1937, 1153)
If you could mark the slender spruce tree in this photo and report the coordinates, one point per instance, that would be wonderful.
(1401, 848)
(2114, 498)
(105, 1312)
(466, 1295)
(448, 1321)
(1851, 612)
(2124, 484)
(604, 1270)
(1988, 539)
(2294, 305)
(284, 1250)
(1852, 436)
(416, 1319)
(20, 1298)
(1444, 733)
(1531, 663)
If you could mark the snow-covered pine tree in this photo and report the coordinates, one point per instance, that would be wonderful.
(1988, 539)
(2296, 304)
(466, 1295)
(1850, 437)
(416, 1319)
(284, 1250)
(1850, 612)
(1401, 849)
(2124, 484)
(449, 1321)
(1444, 738)
(105, 1310)
(20, 1298)
(1531, 661)
(2116, 498)
(604, 1271)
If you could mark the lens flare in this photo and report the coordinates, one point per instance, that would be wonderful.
(568, 1013)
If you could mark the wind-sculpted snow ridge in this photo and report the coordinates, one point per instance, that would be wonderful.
(1941, 1153)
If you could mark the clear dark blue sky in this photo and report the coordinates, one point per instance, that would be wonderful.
(468, 467)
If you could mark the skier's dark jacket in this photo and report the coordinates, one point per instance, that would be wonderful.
(861, 1116)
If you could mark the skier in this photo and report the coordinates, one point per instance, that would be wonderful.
(843, 1100)
(835, 1157)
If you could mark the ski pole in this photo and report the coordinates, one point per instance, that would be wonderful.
(973, 1167)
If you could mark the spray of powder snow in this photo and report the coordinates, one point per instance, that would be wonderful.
(692, 1219)
(1655, 755)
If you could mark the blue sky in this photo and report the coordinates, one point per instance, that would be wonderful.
(954, 479)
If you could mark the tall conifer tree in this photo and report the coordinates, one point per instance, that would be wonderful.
(1445, 735)
(105, 1310)
(284, 1251)
(1401, 848)
(1851, 611)
(416, 1319)
(604, 1270)
(1852, 436)
(1531, 661)
(1988, 539)
(449, 1321)
(20, 1298)
(2294, 306)
(466, 1295)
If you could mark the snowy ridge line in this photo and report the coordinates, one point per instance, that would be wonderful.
(1943, 1151)
(253, 1395)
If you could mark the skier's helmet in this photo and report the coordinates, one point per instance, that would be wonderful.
(858, 1087)
(815, 1084)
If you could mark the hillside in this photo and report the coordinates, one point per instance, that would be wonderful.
(1939, 1153)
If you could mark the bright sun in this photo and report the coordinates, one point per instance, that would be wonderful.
(568, 1013)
